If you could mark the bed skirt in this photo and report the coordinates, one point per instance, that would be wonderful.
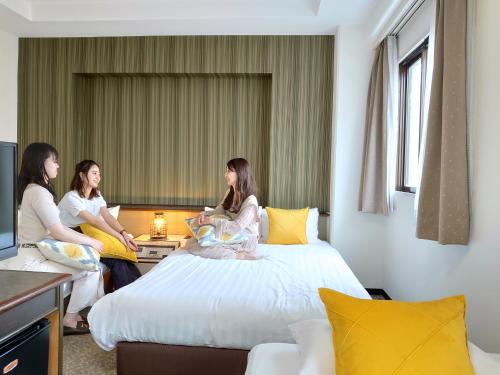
(137, 358)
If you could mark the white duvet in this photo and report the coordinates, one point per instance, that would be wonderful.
(189, 300)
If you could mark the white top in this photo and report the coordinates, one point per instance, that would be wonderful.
(38, 213)
(72, 204)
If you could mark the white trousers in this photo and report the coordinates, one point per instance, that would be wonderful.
(87, 285)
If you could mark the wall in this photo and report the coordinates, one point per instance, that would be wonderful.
(358, 237)
(300, 95)
(383, 251)
(418, 269)
(8, 85)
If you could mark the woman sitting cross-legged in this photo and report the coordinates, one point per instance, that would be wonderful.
(85, 204)
(39, 220)
(242, 216)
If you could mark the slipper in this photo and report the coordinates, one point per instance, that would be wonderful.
(80, 329)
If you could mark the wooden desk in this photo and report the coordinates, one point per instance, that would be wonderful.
(26, 297)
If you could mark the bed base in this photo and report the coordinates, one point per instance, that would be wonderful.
(138, 358)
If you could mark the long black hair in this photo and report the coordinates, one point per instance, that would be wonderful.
(33, 169)
(245, 184)
(77, 182)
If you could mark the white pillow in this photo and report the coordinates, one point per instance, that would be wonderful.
(114, 211)
(311, 225)
(482, 361)
(314, 337)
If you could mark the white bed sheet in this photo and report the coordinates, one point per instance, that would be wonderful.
(189, 300)
(285, 359)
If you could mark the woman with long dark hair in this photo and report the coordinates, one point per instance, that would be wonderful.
(85, 204)
(39, 220)
(241, 209)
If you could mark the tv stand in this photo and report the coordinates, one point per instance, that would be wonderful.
(25, 298)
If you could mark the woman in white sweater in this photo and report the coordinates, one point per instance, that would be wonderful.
(39, 220)
(242, 209)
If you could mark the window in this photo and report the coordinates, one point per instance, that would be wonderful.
(412, 88)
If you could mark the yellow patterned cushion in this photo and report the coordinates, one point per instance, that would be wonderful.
(392, 337)
(73, 255)
(111, 247)
(287, 227)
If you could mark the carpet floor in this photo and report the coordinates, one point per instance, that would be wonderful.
(82, 356)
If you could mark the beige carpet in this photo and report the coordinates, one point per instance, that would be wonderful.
(82, 356)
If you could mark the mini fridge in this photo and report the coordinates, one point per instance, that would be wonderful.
(26, 353)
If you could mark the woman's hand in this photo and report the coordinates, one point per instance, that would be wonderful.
(130, 243)
(96, 245)
(204, 220)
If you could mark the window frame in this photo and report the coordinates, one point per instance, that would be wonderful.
(420, 52)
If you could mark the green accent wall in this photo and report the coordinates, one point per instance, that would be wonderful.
(162, 115)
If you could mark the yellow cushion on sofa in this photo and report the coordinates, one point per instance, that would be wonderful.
(111, 246)
(287, 227)
(392, 337)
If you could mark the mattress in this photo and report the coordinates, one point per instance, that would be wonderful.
(189, 300)
(285, 359)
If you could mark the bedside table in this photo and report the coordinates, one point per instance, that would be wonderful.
(150, 252)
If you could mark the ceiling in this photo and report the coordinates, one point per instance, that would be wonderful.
(56, 18)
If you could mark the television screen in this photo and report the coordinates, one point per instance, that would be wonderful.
(8, 204)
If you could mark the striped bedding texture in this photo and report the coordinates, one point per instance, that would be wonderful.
(189, 300)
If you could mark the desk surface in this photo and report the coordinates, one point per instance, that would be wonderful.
(19, 286)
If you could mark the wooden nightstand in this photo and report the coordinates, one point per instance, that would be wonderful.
(151, 252)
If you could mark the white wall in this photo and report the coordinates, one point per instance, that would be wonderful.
(418, 269)
(8, 87)
(383, 250)
(358, 237)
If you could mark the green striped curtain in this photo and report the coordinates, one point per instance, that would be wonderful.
(163, 115)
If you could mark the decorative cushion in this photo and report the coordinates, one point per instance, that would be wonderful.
(287, 227)
(205, 234)
(73, 255)
(111, 246)
(391, 337)
(114, 211)
(314, 336)
(311, 226)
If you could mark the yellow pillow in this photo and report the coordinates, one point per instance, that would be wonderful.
(287, 227)
(392, 337)
(111, 246)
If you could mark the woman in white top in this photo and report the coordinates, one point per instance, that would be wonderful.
(85, 204)
(39, 219)
(242, 208)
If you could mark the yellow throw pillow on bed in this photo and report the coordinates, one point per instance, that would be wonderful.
(393, 337)
(287, 227)
(111, 246)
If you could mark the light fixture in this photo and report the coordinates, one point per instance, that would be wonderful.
(158, 228)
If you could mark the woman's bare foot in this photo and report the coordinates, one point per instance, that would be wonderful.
(71, 319)
(246, 256)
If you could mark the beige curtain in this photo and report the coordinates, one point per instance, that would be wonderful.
(443, 206)
(373, 187)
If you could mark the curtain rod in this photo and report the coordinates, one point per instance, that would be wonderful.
(406, 17)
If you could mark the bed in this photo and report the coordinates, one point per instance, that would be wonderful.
(285, 359)
(191, 304)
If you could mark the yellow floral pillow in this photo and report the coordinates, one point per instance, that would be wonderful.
(287, 227)
(393, 337)
(73, 255)
(112, 247)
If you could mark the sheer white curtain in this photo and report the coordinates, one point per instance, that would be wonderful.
(427, 96)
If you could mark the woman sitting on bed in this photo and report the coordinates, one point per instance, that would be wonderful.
(39, 220)
(241, 207)
(85, 204)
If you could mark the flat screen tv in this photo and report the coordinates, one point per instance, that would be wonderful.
(8, 200)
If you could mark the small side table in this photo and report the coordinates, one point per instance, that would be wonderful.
(150, 252)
